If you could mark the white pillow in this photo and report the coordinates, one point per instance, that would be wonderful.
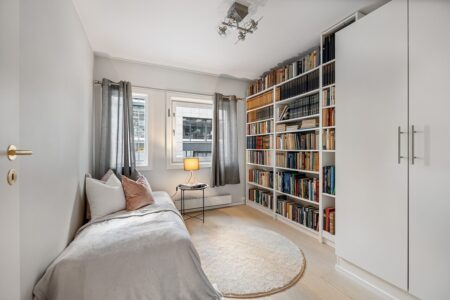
(105, 197)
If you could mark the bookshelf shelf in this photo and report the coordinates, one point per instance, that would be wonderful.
(299, 130)
(322, 61)
(260, 207)
(298, 170)
(260, 186)
(287, 100)
(298, 119)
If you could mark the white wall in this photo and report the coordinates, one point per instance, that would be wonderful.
(56, 112)
(164, 78)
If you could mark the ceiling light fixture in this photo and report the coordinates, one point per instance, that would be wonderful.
(233, 20)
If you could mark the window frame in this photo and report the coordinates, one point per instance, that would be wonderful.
(145, 93)
(190, 98)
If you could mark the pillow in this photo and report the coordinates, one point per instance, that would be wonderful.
(104, 198)
(137, 193)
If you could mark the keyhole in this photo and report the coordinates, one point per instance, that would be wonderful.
(12, 176)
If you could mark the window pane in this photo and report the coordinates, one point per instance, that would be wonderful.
(140, 130)
(193, 131)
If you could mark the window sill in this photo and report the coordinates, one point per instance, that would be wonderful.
(144, 168)
(180, 166)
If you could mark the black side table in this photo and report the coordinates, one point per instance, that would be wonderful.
(183, 188)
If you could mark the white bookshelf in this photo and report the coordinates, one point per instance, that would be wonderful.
(326, 157)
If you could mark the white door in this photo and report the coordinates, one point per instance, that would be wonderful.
(429, 107)
(371, 181)
(9, 134)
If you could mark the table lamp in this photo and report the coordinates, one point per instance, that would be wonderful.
(191, 164)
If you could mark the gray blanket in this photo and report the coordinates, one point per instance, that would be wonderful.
(144, 254)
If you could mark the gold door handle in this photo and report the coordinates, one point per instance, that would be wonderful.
(13, 152)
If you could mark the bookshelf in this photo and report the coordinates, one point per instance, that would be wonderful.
(296, 102)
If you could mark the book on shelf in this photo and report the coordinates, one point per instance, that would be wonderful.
(329, 180)
(259, 142)
(328, 117)
(300, 85)
(298, 160)
(260, 128)
(329, 220)
(260, 100)
(302, 107)
(261, 197)
(259, 157)
(329, 96)
(297, 184)
(260, 114)
(328, 74)
(310, 123)
(329, 139)
(328, 48)
(298, 141)
(292, 68)
(294, 211)
(261, 177)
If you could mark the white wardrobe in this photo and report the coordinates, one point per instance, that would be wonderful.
(393, 145)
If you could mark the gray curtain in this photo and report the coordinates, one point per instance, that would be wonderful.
(116, 131)
(225, 160)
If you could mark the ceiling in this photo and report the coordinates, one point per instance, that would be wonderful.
(183, 34)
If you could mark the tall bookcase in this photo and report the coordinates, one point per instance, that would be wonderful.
(300, 148)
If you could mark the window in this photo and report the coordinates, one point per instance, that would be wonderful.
(141, 129)
(189, 128)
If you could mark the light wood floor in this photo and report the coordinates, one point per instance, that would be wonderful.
(320, 279)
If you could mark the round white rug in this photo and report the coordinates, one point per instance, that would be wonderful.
(249, 262)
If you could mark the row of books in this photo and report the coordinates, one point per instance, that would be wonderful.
(260, 114)
(298, 160)
(260, 157)
(298, 141)
(304, 124)
(299, 108)
(260, 128)
(260, 100)
(329, 96)
(261, 177)
(298, 86)
(328, 74)
(294, 68)
(329, 139)
(297, 184)
(259, 142)
(328, 48)
(328, 118)
(305, 215)
(261, 197)
(329, 180)
(329, 220)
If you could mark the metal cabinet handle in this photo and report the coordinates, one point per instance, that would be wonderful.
(413, 155)
(399, 146)
(13, 152)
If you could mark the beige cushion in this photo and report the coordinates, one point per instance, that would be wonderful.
(137, 193)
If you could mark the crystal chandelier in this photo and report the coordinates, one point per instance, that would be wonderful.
(233, 20)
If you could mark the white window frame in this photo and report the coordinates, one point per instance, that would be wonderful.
(149, 112)
(170, 123)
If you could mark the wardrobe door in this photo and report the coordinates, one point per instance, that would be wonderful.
(429, 200)
(371, 179)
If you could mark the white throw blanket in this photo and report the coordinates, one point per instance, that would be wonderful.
(144, 254)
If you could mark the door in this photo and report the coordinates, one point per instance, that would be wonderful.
(429, 201)
(9, 134)
(371, 180)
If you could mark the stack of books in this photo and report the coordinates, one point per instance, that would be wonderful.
(261, 197)
(305, 215)
(259, 142)
(329, 216)
(298, 86)
(308, 161)
(328, 74)
(297, 141)
(328, 117)
(328, 48)
(260, 100)
(261, 114)
(259, 157)
(329, 180)
(260, 128)
(261, 177)
(329, 139)
(299, 108)
(329, 96)
(297, 184)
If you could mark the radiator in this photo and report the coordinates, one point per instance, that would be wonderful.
(196, 203)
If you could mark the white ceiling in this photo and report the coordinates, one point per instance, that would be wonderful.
(183, 33)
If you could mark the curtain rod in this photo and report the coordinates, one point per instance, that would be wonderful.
(98, 82)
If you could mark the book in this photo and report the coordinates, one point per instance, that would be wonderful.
(329, 96)
(260, 100)
(260, 114)
(261, 177)
(297, 184)
(298, 141)
(310, 123)
(299, 108)
(297, 212)
(261, 197)
(328, 117)
(298, 160)
(328, 180)
(328, 139)
(259, 157)
(260, 127)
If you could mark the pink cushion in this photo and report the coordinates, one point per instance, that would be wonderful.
(137, 193)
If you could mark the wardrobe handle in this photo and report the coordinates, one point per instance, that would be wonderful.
(399, 147)
(413, 155)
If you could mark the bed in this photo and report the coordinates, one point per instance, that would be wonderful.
(143, 254)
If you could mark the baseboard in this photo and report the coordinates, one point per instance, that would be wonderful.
(379, 286)
(211, 202)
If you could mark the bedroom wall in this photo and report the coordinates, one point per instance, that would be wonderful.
(167, 78)
(56, 65)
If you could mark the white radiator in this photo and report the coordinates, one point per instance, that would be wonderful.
(196, 203)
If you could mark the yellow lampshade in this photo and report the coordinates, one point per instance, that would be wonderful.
(191, 164)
